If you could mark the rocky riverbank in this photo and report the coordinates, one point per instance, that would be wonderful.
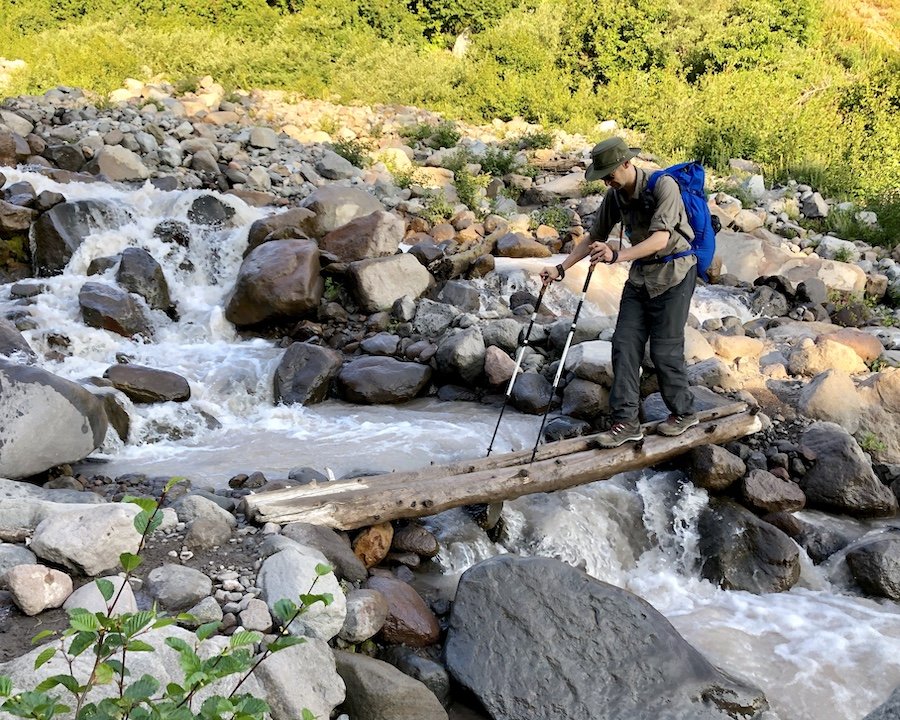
(373, 280)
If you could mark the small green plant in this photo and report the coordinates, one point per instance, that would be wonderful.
(437, 208)
(329, 124)
(592, 187)
(536, 139)
(445, 135)
(555, 216)
(356, 152)
(187, 84)
(332, 290)
(843, 254)
(870, 442)
(498, 162)
(110, 639)
(419, 132)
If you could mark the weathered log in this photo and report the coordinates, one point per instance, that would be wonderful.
(458, 264)
(359, 502)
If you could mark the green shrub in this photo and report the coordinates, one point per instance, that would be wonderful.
(354, 151)
(555, 216)
(445, 135)
(498, 162)
(437, 208)
(536, 139)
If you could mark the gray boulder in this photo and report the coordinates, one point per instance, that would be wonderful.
(278, 279)
(176, 587)
(379, 691)
(148, 385)
(888, 710)
(380, 282)
(531, 393)
(714, 468)
(876, 567)
(382, 380)
(741, 552)
(841, 479)
(503, 333)
(585, 399)
(335, 206)
(13, 555)
(378, 234)
(305, 373)
(461, 354)
(110, 308)
(293, 223)
(335, 167)
(12, 341)
(536, 638)
(45, 421)
(765, 492)
(433, 318)
(60, 231)
(140, 273)
(335, 547)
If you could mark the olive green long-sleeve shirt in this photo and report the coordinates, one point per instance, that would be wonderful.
(641, 219)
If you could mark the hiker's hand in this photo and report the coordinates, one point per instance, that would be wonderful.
(600, 253)
(549, 274)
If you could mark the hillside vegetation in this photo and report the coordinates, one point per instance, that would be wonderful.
(808, 88)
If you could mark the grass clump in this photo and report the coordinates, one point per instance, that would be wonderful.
(354, 151)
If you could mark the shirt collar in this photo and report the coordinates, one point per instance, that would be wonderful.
(640, 184)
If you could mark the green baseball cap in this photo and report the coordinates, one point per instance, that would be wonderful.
(607, 156)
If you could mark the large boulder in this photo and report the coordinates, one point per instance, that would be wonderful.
(45, 421)
(24, 506)
(741, 552)
(148, 385)
(521, 625)
(278, 279)
(60, 231)
(139, 273)
(335, 206)
(382, 380)
(293, 223)
(382, 281)
(832, 396)
(876, 566)
(332, 545)
(841, 479)
(317, 688)
(12, 342)
(111, 308)
(305, 373)
(714, 468)
(409, 620)
(375, 235)
(461, 354)
(377, 690)
(119, 164)
(811, 358)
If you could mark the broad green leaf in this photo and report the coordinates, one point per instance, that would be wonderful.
(117, 666)
(5, 686)
(139, 646)
(173, 482)
(215, 708)
(285, 609)
(129, 561)
(142, 522)
(137, 622)
(175, 691)
(83, 620)
(310, 599)
(285, 641)
(307, 715)
(104, 674)
(67, 681)
(164, 622)
(106, 588)
(207, 630)
(323, 569)
(82, 641)
(44, 656)
(143, 689)
(244, 637)
(250, 705)
(144, 503)
(43, 634)
(178, 644)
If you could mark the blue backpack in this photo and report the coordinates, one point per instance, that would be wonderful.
(690, 178)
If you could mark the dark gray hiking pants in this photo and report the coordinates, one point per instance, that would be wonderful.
(661, 319)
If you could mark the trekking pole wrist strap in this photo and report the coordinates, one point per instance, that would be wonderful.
(615, 257)
(562, 272)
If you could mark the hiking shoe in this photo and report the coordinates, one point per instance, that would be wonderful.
(677, 424)
(620, 433)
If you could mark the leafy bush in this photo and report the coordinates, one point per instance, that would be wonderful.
(437, 208)
(354, 151)
(555, 216)
(498, 162)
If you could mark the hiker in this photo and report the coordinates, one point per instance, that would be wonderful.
(657, 295)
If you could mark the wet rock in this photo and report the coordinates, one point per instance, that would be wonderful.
(379, 282)
(12, 342)
(585, 399)
(148, 385)
(564, 427)
(118, 164)
(383, 343)
(210, 211)
(109, 308)
(278, 279)
(548, 620)
(876, 567)
(741, 552)
(61, 230)
(409, 621)
(382, 380)
(415, 539)
(305, 374)
(335, 206)
(139, 273)
(173, 232)
(531, 394)
(461, 354)
(461, 294)
(294, 223)
(433, 318)
(767, 301)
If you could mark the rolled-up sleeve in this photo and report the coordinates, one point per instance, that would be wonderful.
(607, 216)
(670, 214)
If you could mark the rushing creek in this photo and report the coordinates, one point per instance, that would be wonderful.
(820, 652)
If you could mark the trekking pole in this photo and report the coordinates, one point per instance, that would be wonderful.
(562, 360)
(519, 357)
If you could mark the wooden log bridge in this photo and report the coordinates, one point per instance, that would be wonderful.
(364, 501)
